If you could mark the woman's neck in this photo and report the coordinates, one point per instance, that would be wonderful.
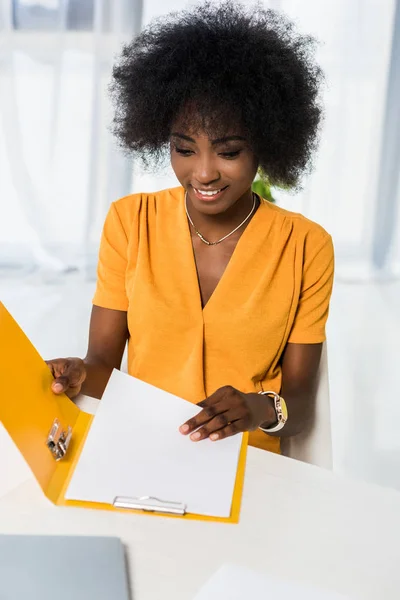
(216, 226)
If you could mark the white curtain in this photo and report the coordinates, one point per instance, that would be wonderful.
(60, 169)
(59, 165)
(354, 189)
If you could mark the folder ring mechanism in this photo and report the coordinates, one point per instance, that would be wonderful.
(58, 439)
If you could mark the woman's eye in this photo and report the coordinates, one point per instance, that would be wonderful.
(233, 154)
(228, 155)
(183, 152)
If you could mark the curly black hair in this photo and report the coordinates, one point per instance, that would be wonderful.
(218, 66)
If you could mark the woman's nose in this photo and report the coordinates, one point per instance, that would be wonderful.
(206, 171)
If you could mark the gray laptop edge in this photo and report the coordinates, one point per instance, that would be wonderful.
(62, 568)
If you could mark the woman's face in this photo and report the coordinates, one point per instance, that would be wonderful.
(215, 172)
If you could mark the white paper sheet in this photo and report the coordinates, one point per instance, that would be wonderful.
(233, 582)
(134, 449)
(13, 468)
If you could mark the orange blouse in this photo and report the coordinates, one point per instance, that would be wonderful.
(275, 289)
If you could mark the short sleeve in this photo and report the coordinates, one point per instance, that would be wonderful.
(112, 264)
(316, 289)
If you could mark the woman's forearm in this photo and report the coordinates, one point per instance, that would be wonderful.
(97, 376)
(300, 365)
(299, 406)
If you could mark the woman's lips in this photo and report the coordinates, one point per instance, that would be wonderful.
(208, 197)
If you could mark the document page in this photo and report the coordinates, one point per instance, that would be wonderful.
(233, 582)
(134, 449)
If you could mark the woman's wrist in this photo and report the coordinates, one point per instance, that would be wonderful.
(97, 376)
(280, 410)
(271, 418)
(265, 410)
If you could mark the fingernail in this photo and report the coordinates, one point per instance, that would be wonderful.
(214, 436)
(57, 387)
(195, 436)
(184, 428)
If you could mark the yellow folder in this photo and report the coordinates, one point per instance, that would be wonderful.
(28, 410)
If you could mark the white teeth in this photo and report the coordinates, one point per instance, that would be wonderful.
(204, 193)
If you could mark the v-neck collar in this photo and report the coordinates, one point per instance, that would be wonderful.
(228, 277)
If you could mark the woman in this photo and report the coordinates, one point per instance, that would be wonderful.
(222, 296)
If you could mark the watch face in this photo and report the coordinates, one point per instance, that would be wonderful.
(284, 410)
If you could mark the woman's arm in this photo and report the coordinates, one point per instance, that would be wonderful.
(108, 334)
(300, 363)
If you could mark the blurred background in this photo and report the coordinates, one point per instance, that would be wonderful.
(60, 169)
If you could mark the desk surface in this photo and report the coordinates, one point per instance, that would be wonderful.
(297, 521)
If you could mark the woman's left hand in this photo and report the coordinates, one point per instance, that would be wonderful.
(227, 412)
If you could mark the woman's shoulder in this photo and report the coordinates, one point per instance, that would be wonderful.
(134, 202)
(146, 205)
(312, 241)
(301, 226)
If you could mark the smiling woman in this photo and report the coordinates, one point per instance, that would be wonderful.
(222, 296)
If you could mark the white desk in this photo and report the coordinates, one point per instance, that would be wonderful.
(297, 521)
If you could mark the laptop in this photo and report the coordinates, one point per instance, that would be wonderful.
(62, 568)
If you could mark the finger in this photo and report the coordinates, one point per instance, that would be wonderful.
(62, 385)
(200, 419)
(218, 423)
(208, 413)
(51, 366)
(56, 366)
(231, 429)
(70, 378)
(217, 396)
(223, 398)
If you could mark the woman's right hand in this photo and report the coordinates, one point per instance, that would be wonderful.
(69, 375)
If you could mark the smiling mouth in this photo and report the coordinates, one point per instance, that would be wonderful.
(209, 193)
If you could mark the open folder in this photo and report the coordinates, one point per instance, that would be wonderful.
(130, 456)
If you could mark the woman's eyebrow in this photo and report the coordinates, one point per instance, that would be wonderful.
(229, 138)
(223, 140)
(182, 136)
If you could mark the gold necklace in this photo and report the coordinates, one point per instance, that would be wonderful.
(203, 239)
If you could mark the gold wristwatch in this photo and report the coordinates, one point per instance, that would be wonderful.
(281, 412)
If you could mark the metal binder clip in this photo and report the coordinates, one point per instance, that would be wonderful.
(58, 440)
(150, 504)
